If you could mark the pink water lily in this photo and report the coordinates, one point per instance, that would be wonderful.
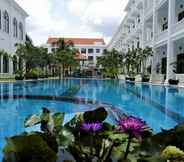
(132, 126)
(91, 127)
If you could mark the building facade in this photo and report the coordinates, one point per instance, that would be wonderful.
(89, 49)
(158, 24)
(12, 31)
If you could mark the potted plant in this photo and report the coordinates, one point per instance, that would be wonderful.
(131, 76)
(145, 78)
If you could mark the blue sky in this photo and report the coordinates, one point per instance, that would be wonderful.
(72, 18)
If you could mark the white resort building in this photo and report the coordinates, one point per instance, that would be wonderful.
(89, 49)
(12, 31)
(158, 24)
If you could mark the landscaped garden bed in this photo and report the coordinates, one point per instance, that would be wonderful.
(89, 137)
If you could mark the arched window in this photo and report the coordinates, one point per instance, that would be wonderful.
(15, 28)
(6, 22)
(15, 63)
(5, 64)
(21, 31)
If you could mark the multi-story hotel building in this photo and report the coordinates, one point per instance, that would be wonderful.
(12, 31)
(89, 48)
(158, 24)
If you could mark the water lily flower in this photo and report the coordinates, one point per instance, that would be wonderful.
(132, 126)
(91, 127)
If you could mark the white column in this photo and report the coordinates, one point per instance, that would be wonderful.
(10, 66)
(171, 58)
(154, 39)
(143, 26)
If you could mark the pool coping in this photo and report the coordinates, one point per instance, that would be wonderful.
(145, 83)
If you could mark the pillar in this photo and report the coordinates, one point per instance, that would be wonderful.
(154, 60)
(171, 58)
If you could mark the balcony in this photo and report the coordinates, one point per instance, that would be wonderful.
(161, 36)
(178, 27)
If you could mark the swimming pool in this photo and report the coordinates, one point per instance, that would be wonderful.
(159, 106)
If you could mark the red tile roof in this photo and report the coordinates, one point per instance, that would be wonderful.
(78, 41)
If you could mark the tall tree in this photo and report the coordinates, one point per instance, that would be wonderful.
(34, 57)
(65, 56)
(111, 62)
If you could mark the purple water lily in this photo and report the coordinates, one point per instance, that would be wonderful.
(132, 126)
(91, 127)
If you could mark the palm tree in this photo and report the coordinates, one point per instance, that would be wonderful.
(143, 55)
(111, 62)
(65, 56)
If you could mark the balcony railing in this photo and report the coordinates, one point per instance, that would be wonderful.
(161, 36)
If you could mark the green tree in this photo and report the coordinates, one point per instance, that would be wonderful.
(143, 55)
(34, 57)
(65, 56)
(135, 58)
(111, 62)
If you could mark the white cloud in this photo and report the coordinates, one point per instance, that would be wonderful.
(77, 18)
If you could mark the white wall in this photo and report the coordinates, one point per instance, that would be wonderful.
(7, 41)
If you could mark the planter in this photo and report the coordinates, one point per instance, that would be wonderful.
(19, 78)
(173, 82)
(130, 79)
(31, 77)
(145, 79)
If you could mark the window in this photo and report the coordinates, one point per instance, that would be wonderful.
(138, 44)
(165, 26)
(97, 50)
(90, 50)
(83, 50)
(15, 28)
(90, 58)
(15, 63)
(181, 16)
(164, 65)
(133, 26)
(138, 19)
(21, 32)
(53, 50)
(5, 64)
(180, 63)
(6, 22)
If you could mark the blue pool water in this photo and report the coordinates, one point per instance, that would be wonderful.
(159, 106)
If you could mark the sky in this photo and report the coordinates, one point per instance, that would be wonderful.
(72, 18)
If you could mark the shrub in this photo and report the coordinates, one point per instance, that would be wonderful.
(32, 74)
(172, 152)
(19, 75)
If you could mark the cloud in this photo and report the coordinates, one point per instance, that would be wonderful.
(72, 18)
